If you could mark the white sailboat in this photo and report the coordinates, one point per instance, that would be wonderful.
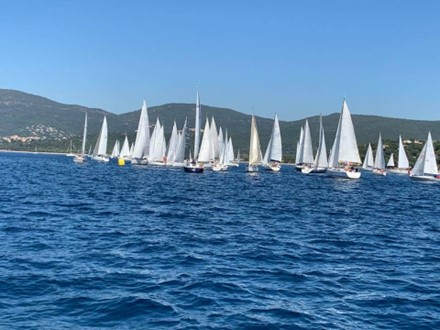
(425, 167)
(100, 151)
(379, 161)
(369, 159)
(254, 148)
(179, 155)
(142, 142)
(192, 165)
(223, 162)
(306, 151)
(82, 157)
(299, 150)
(320, 163)
(172, 145)
(125, 150)
(70, 150)
(116, 150)
(157, 145)
(344, 155)
(274, 153)
(402, 160)
(390, 163)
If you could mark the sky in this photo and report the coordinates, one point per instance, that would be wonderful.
(293, 58)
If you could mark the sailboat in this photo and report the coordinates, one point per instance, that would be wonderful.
(125, 151)
(100, 151)
(254, 148)
(192, 165)
(274, 153)
(299, 150)
(402, 160)
(306, 151)
(425, 167)
(82, 157)
(344, 155)
(369, 159)
(116, 150)
(70, 150)
(390, 164)
(142, 142)
(379, 161)
(321, 162)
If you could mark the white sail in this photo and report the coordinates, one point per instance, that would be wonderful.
(205, 153)
(300, 147)
(266, 156)
(426, 163)
(157, 143)
(197, 127)
(83, 148)
(307, 152)
(221, 141)
(172, 145)
(214, 140)
(115, 152)
(125, 150)
(402, 161)
(181, 144)
(254, 145)
(275, 144)
(345, 149)
(379, 161)
(321, 154)
(391, 161)
(101, 143)
(369, 158)
(142, 142)
(230, 150)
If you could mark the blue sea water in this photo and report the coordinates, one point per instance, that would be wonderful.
(102, 246)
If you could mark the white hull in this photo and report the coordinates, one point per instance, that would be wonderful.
(313, 170)
(101, 159)
(399, 171)
(380, 172)
(425, 178)
(343, 173)
(273, 167)
(79, 159)
(176, 164)
(252, 168)
(219, 167)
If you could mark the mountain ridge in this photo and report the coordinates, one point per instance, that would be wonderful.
(22, 112)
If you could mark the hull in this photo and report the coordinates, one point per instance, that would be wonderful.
(252, 168)
(79, 159)
(314, 170)
(343, 173)
(425, 178)
(193, 168)
(380, 172)
(101, 159)
(273, 167)
(219, 167)
(136, 161)
(401, 171)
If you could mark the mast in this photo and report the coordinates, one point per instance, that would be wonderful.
(197, 127)
(83, 148)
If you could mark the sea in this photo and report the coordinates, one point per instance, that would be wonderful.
(135, 247)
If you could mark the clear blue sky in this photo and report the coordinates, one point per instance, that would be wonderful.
(296, 58)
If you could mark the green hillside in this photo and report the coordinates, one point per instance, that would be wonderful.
(30, 115)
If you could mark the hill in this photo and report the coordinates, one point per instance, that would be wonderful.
(31, 115)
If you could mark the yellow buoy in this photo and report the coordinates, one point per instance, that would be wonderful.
(121, 161)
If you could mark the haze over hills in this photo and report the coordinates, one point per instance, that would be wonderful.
(25, 114)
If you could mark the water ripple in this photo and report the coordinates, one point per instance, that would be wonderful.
(141, 247)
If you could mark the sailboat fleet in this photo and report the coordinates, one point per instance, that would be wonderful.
(213, 149)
